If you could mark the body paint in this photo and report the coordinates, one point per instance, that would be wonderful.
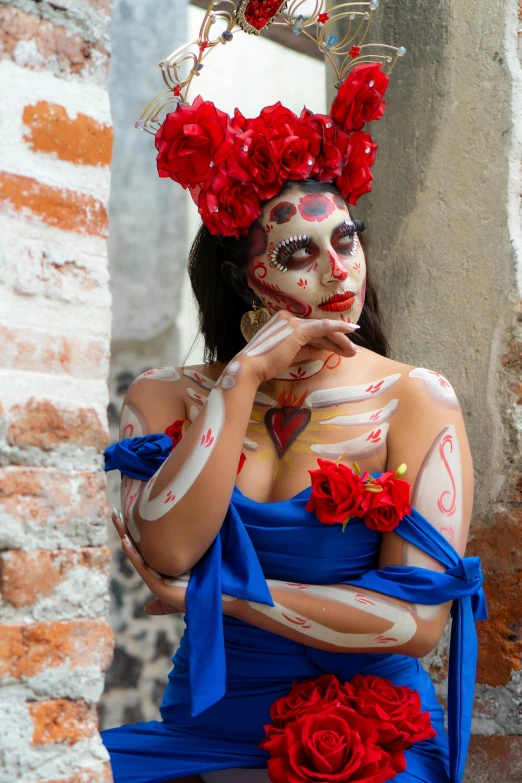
(365, 391)
(370, 417)
(315, 207)
(264, 400)
(437, 385)
(131, 423)
(195, 396)
(258, 241)
(337, 268)
(282, 212)
(159, 374)
(403, 623)
(250, 444)
(307, 369)
(291, 303)
(200, 379)
(355, 448)
(437, 495)
(270, 342)
(153, 509)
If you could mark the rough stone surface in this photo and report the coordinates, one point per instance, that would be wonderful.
(446, 248)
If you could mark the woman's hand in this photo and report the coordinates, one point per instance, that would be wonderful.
(286, 339)
(170, 592)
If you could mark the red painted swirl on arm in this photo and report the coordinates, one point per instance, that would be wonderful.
(448, 510)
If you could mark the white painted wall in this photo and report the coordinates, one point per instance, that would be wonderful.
(251, 72)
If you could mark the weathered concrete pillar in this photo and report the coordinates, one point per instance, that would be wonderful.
(444, 226)
(147, 256)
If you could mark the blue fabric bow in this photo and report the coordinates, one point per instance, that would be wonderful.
(138, 458)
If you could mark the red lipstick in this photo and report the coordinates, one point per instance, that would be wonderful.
(338, 303)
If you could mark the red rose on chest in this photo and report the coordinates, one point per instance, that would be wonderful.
(384, 510)
(337, 492)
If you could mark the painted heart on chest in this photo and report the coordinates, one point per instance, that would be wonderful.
(285, 424)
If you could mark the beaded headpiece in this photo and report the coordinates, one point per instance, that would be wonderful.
(232, 164)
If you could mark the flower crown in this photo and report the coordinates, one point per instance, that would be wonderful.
(231, 165)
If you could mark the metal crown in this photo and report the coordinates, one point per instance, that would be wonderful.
(224, 18)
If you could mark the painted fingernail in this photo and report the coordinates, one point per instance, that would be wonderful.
(357, 349)
(153, 572)
(354, 326)
(115, 512)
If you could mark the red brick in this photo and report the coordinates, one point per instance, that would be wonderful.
(52, 497)
(71, 54)
(88, 776)
(59, 207)
(62, 721)
(499, 546)
(28, 650)
(42, 423)
(42, 351)
(79, 140)
(25, 576)
(494, 760)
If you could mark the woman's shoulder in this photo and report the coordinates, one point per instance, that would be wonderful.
(413, 381)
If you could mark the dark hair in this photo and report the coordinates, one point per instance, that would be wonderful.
(221, 307)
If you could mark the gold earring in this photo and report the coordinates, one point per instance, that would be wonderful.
(253, 320)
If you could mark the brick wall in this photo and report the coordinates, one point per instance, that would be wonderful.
(55, 643)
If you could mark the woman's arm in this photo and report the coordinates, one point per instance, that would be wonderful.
(430, 438)
(174, 517)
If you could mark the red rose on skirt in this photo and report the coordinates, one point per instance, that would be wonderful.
(384, 510)
(337, 492)
(228, 206)
(325, 689)
(336, 745)
(356, 177)
(360, 97)
(176, 429)
(191, 140)
(395, 711)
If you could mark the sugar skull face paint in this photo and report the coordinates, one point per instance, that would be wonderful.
(282, 212)
(316, 206)
(318, 244)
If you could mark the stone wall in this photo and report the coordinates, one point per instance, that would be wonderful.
(55, 642)
(444, 226)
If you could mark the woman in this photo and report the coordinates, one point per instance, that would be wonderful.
(304, 389)
(301, 497)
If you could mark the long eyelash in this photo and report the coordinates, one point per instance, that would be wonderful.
(351, 227)
(281, 254)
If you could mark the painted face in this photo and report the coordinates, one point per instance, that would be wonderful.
(321, 269)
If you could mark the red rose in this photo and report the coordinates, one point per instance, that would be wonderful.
(280, 120)
(356, 177)
(228, 206)
(298, 151)
(255, 151)
(360, 97)
(323, 690)
(395, 712)
(334, 147)
(337, 492)
(336, 745)
(191, 140)
(176, 430)
(384, 510)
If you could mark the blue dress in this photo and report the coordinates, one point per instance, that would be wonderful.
(227, 674)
